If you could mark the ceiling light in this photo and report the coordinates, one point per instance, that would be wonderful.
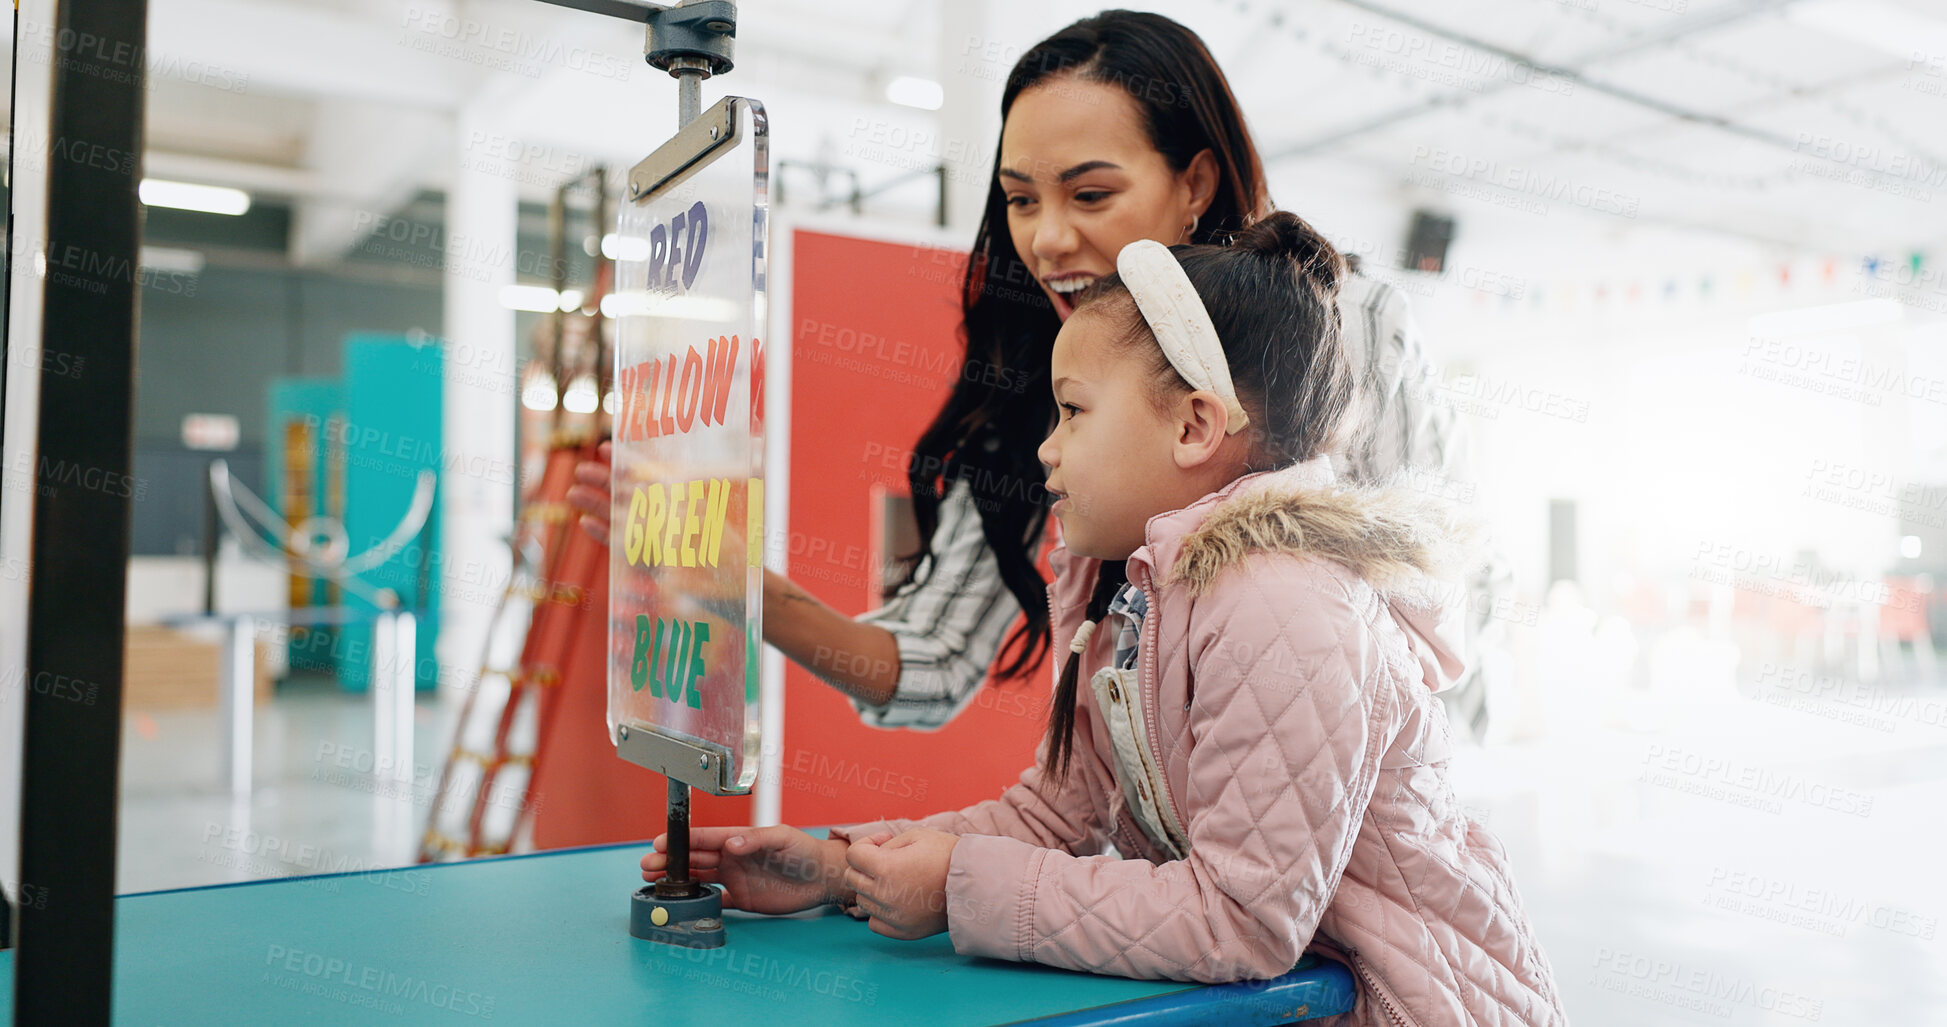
(536, 298)
(171, 261)
(207, 199)
(623, 247)
(908, 91)
(539, 394)
(580, 397)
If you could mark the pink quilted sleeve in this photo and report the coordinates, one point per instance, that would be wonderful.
(1287, 717)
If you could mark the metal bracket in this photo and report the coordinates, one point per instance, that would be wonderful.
(688, 150)
(701, 29)
(697, 764)
(704, 30)
(627, 10)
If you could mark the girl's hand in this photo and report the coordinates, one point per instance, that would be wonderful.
(589, 493)
(901, 883)
(762, 869)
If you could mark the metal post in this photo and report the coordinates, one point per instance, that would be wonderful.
(689, 73)
(392, 680)
(405, 654)
(237, 703)
(63, 968)
(212, 542)
(939, 216)
(378, 679)
(678, 885)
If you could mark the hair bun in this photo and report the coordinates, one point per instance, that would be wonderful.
(1287, 236)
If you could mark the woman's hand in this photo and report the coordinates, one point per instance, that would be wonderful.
(589, 493)
(901, 883)
(762, 869)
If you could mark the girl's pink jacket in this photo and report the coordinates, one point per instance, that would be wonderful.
(1288, 666)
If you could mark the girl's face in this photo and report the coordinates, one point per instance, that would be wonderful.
(1082, 181)
(1115, 460)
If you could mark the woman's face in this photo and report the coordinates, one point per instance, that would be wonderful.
(1082, 181)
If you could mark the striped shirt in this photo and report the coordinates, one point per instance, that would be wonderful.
(950, 622)
(1131, 605)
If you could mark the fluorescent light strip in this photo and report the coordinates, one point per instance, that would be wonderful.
(621, 247)
(640, 303)
(539, 394)
(172, 261)
(923, 93)
(580, 397)
(206, 199)
(536, 298)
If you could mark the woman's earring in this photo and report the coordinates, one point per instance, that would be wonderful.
(1190, 230)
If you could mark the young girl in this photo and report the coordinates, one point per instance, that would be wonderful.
(1246, 708)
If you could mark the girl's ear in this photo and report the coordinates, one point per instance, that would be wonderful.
(1200, 423)
(1201, 177)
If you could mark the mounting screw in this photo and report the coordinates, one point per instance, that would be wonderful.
(635, 190)
(623, 731)
(714, 129)
(703, 762)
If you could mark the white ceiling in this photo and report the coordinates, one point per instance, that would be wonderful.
(1697, 114)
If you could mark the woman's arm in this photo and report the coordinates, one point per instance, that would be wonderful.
(859, 659)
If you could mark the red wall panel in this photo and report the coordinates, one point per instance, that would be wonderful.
(875, 352)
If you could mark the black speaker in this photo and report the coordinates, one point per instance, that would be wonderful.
(1426, 242)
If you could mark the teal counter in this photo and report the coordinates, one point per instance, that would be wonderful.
(544, 939)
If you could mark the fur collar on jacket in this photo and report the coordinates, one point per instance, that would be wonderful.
(1393, 537)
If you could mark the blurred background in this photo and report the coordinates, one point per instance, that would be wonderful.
(1681, 270)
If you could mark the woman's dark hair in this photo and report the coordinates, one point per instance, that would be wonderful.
(990, 427)
(1272, 295)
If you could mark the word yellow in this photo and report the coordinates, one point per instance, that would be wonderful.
(702, 388)
(669, 655)
(678, 526)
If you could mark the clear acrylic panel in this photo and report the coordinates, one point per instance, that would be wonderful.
(686, 553)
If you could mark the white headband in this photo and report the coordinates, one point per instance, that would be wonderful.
(1176, 314)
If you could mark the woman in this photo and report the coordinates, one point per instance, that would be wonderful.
(1117, 128)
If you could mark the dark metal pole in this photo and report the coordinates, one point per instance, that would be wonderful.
(6, 322)
(677, 884)
(212, 542)
(939, 212)
(71, 744)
